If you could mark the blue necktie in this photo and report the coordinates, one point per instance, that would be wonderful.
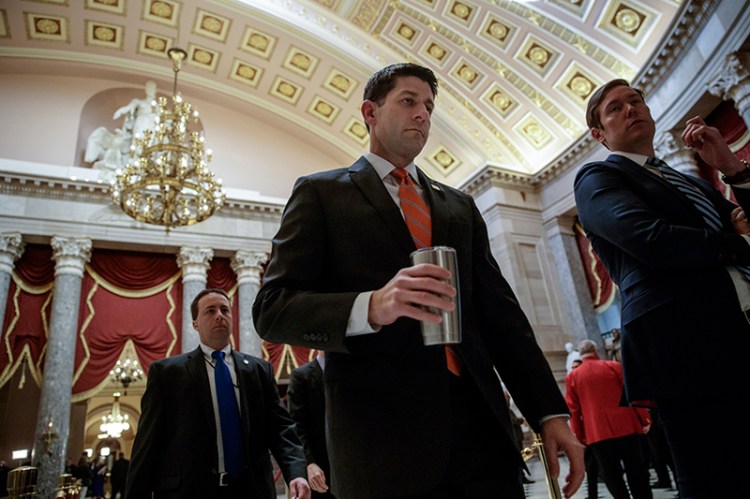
(700, 201)
(229, 413)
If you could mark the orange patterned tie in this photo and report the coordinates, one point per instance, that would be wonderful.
(417, 217)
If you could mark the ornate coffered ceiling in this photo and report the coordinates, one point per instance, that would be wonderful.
(514, 76)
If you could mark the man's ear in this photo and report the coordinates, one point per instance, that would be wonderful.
(368, 111)
(598, 136)
(195, 326)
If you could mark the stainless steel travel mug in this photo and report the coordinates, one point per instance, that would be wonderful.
(449, 330)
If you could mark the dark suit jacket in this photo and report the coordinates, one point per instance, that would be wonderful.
(306, 400)
(670, 269)
(175, 453)
(387, 395)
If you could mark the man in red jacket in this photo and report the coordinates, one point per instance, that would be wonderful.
(613, 432)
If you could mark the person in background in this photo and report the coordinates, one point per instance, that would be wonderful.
(83, 472)
(307, 406)
(614, 433)
(209, 419)
(119, 475)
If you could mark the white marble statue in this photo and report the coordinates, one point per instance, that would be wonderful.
(111, 150)
(140, 114)
(107, 150)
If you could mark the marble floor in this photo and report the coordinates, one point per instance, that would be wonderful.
(540, 490)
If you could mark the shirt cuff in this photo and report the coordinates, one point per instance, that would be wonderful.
(358, 323)
(552, 416)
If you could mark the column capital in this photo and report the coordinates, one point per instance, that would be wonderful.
(668, 147)
(11, 249)
(70, 255)
(194, 263)
(248, 266)
(732, 77)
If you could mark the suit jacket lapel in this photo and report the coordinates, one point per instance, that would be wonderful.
(197, 371)
(244, 376)
(365, 177)
(646, 176)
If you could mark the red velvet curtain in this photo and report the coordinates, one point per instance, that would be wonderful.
(601, 287)
(125, 296)
(27, 313)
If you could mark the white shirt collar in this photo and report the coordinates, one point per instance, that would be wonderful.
(632, 156)
(207, 351)
(385, 167)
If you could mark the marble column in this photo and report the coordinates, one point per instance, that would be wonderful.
(579, 312)
(194, 263)
(53, 419)
(247, 266)
(11, 248)
(669, 147)
(733, 83)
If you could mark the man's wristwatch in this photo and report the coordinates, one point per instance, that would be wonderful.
(738, 178)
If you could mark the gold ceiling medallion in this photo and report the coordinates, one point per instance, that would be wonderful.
(111, 6)
(462, 12)
(323, 110)
(340, 83)
(162, 11)
(466, 74)
(436, 51)
(168, 182)
(211, 25)
(203, 57)
(499, 100)
(300, 62)
(531, 130)
(357, 131)
(260, 44)
(497, 31)
(537, 55)
(627, 22)
(443, 160)
(104, 35)
(407, 33)
(246, 73)
(154, 44)
(47, 28)
(577, 84)
(286, 90)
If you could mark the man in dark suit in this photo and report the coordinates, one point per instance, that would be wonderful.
(669, 243)
(179, 449)
(400, 422)
(614, 433)
(307, 406)
(119, 475)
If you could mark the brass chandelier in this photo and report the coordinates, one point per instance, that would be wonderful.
(115, 422)
(167, 181)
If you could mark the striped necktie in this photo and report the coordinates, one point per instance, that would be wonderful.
(707, 210)
(702, 204)
(418, 220)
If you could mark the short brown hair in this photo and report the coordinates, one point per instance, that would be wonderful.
(592, 108)
(382, 82)
(207, 291)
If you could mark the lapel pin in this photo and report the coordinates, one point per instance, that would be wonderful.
(436, 187)
(245, 361)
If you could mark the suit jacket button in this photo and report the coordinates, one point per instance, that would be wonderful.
(306, 337)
